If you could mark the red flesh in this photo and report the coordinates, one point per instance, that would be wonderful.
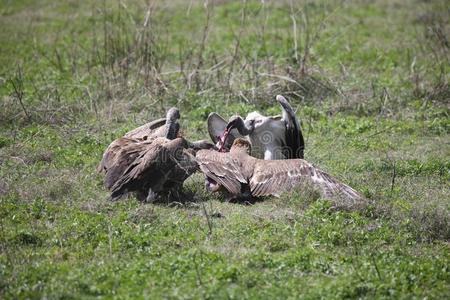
(222, 140)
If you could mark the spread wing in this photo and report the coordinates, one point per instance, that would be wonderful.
(155, 129)
(294, 136)
(278, 176)
(222, 168)
(216, 127)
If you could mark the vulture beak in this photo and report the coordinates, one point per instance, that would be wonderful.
(235, 122)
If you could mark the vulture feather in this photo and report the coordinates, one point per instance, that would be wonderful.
(236, 171)
(150, 160)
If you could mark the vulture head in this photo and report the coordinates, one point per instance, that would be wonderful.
(173, 114)
(254, 123)
(241, 145)
(163, 127)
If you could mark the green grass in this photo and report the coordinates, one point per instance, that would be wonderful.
(372, 95)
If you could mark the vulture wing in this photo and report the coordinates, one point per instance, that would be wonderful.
(155, 129)
(222, 168)
(147, 131)
(114, 153)
(185, 166)
(148, 165)
(129, 154)
(294, 136)
(278, 176)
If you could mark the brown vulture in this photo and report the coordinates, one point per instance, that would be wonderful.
(243, 176)
(150, 161)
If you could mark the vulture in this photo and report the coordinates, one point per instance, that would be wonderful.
(164, 127)
(275, 137)
(242, 176)
(150, 162)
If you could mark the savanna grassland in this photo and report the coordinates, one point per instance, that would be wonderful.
(369, 81)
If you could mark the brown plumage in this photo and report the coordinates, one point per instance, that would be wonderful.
(148, 164)
(150, 168)
(163, 127)
(242, 175)
(150, 130)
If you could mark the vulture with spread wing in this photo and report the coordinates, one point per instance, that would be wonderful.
(275, 137)
(150, 161)
(243, 176)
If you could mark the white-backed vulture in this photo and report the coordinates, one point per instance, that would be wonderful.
(271, 137)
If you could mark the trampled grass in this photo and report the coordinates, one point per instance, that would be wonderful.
(369, 81)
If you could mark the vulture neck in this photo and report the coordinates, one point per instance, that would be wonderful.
(246, 162)
(240, 126)
(172, 128)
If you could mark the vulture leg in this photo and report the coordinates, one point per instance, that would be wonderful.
(151, 196)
